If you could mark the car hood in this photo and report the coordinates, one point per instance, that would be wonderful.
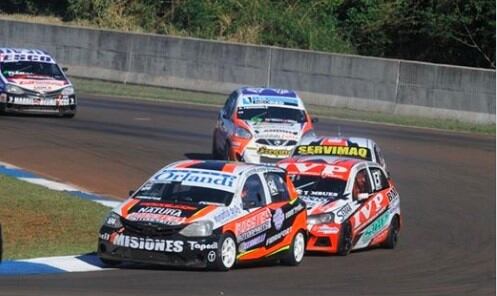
(275, 130)
(38, 83)
(174, 214)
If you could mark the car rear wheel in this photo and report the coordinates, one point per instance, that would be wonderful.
(295, 254)
(345, 241)
(215, 152)
(393, 234)
(226, 254)
(227, 148)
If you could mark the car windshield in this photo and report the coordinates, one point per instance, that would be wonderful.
(316, 186)
(271, 114)
(30, 68)
(177, 192)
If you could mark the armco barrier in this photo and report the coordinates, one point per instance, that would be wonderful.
(332, 80)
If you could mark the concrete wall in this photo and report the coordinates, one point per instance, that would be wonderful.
(393, 86)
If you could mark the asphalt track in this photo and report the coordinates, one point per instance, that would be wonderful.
(446, 182)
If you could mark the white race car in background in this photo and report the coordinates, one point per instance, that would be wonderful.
(260, 125)
(32, 82)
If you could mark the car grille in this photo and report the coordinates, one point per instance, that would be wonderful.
(276, 142)
(150, 229)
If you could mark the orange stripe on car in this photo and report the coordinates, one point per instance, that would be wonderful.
(201, 213)
(127, 206)
(229, 167)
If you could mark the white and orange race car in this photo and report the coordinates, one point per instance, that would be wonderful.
(351, 203)
(260, 125)
(208, 214)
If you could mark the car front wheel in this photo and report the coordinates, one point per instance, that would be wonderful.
(226, 254)
(295, 254)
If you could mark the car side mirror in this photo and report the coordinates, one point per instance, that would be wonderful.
(65, 69)
(225, 115)
(362, 196)
(131, 192)
(314, 120)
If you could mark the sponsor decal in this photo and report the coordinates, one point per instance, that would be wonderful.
(333, 150)
(199, 178)
(278, 218)
(313, 201)
(375, 227)
(195, 246)
(268, 100)
(278, 236)
(104, 236)
(393, 195)
(168, 205)
(254, 225)
(161, 215)
(317, 194)
(227, 214)
(252, 242)
(325, 229)
(368, 211)
(344, 211)
(148, 244)
(273, 152)
(211, 257)
(294, 210)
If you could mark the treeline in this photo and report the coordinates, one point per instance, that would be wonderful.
(457, 32)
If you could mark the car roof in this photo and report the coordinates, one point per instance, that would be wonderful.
(251, 96)
(9, 54)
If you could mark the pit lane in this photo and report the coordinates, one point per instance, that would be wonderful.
(446, 183)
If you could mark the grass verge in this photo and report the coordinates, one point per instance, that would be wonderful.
(98, 87)
(38, 222)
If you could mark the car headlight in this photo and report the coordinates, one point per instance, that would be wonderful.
(68, 91)
(12, 89)
(200, 228)
(320, 219)
(242, 133)
(113, 220)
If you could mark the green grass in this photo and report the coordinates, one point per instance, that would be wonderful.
(98, 87)
(38, 222)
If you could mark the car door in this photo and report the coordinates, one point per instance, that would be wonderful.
(251, 230)
(370, 203)
(380, 201)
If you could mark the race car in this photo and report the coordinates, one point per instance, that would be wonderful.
(260, 125)
(32, 82)
(349, 147)
(351, 203)
(208, 214)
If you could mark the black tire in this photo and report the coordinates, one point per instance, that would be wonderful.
(226, 152)
(215, 153)
(295, 254)
(110, 262)
(393, 233)
(345, 241)
(69, 115)
(222, 262)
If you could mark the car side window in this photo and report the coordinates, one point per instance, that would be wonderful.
(277, 187)
(361, 184)
(253, 193)
(380, 181)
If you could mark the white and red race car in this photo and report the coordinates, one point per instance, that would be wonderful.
(351, 203)
(344, 147)
(32, 82)
(260, 125)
